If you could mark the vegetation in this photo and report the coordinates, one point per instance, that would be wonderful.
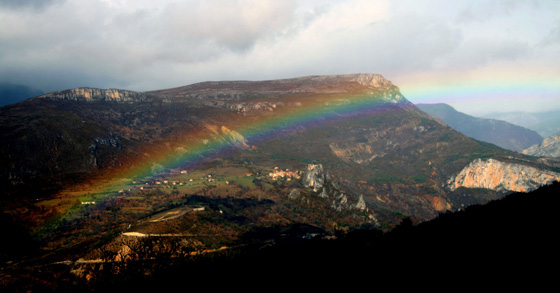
(487, 237)
(221, 208)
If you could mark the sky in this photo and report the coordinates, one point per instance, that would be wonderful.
(478, 56)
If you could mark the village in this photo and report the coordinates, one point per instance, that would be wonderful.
(287, 174)
(197, 178)
(180, 178)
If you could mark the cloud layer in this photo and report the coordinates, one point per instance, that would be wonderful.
(147, 45)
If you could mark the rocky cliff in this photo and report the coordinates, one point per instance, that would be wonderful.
(320, 183)
(96, 95)
(500, 176)
(550, 147)
(314, 177)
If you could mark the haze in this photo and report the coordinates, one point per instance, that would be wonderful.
(478, 56)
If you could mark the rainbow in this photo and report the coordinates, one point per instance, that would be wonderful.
(315, 110)
(492, 91)
(211, 143)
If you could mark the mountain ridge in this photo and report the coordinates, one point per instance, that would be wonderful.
(501, 133)
(545, 123)
(111, 149)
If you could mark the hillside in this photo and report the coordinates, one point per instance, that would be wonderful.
(550, 147)
(491, 238)
(500, 133)
(372, 143)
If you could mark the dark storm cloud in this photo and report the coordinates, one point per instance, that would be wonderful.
(21, 4)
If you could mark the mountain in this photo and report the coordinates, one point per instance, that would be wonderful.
(103, 181)
(545, 123)
(370, 141)
(13, 93)
(550, 147)
(500, 133)
(547, 126)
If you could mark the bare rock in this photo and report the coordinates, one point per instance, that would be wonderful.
(314, 177)
(550, 147)
(499, 176)
(97, 95)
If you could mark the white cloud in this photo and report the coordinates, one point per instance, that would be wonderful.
(145, 45)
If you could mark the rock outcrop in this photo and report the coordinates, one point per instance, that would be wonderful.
(320, 183)
(550, 147)
(502, 177)
(244, 107)
(97, 95)
(234, 138)
(227, 136)
(314, 177)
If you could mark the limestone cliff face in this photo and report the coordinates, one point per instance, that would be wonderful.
(500, 176)
(229, 136)
(550, 147)
(234, 137)
(97, 95)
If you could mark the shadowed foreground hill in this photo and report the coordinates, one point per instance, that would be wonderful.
(514, 236)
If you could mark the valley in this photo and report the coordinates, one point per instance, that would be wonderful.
(106, 184)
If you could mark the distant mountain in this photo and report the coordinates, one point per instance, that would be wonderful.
(500, 133)
(550, 147)
(545, 123)
(518, 118)
(13, 93)
(547, 127)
